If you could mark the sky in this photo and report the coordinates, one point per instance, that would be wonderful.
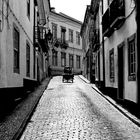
(72, 8)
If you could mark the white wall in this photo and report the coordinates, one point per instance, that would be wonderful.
(128, 29)
(16, 16)
(73, 47)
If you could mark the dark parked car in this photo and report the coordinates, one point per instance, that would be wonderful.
(68, 75)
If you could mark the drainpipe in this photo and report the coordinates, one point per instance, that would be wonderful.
(103, 62)
(138, 50)
(34, 53)
(103, 54)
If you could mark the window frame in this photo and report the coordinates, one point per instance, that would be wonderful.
(78, 61)
(77, 38)
(63, 34)
(111, 65)
(54, 58)
(132, 58)
(16, 49)
(54, 30)
(28, 59)
(28, 9)
(71, 60)
(71, 35)
(63, 59)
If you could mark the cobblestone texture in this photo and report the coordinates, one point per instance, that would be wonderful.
(65, 112)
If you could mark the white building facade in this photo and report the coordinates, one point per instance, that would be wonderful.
(15, 35)
(18, 56)
(66, 47)
(120, 48)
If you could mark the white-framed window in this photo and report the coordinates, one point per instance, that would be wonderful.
(132, 58)
(28, 9)
(16, 49)
(71, 60)
(78, 38)
(54, 58)
(54, 30)
(63, 59)
(71, 35)
(111, 59)
(63, 34)
(78, 61)
(27, 59)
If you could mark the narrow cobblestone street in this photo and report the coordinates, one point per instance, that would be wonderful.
(74, 111)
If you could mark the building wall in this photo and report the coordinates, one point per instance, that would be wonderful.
(86, 44)
(73, 48)
(99, 53)
(119, 36)
(85, 48)
(15, 15)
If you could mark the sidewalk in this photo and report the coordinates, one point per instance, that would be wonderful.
(133, 118)
(13, 125)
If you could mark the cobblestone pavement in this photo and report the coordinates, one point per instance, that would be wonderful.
(66, 112)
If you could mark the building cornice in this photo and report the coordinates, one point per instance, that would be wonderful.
(62, 15)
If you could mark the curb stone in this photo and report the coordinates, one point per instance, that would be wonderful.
(131, 117)
(19, 132)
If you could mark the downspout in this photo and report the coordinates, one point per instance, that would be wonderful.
(138, 50)
(34, 63)
(103, 52)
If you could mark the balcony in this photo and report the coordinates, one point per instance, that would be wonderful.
(56, 42)
(40, 40)
(114, 17)
(64, 44)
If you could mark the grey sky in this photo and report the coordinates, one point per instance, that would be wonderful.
(73, 8)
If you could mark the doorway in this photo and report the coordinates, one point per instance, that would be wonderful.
(121, 71)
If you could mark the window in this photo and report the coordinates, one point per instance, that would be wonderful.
(71, 62)
(34, 62)
(97, 66)
(16, 49)
(63, 34)
(28, 60)
(78, 62)
(54, 30)
(111, 58)
(71, 35)
(54, 58)
(28, 8)
(78, 38)
(131, 58)
(63, 59)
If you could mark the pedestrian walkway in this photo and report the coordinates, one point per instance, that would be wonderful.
(75, 111)
(114, 103)
(14, 123)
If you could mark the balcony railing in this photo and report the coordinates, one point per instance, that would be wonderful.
(114, 17)
(56, 42)
(64, 44)
(40, 40)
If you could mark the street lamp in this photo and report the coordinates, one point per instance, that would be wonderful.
(49, 35)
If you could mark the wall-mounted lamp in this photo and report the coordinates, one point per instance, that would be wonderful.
(36, 47)
(49, 35)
